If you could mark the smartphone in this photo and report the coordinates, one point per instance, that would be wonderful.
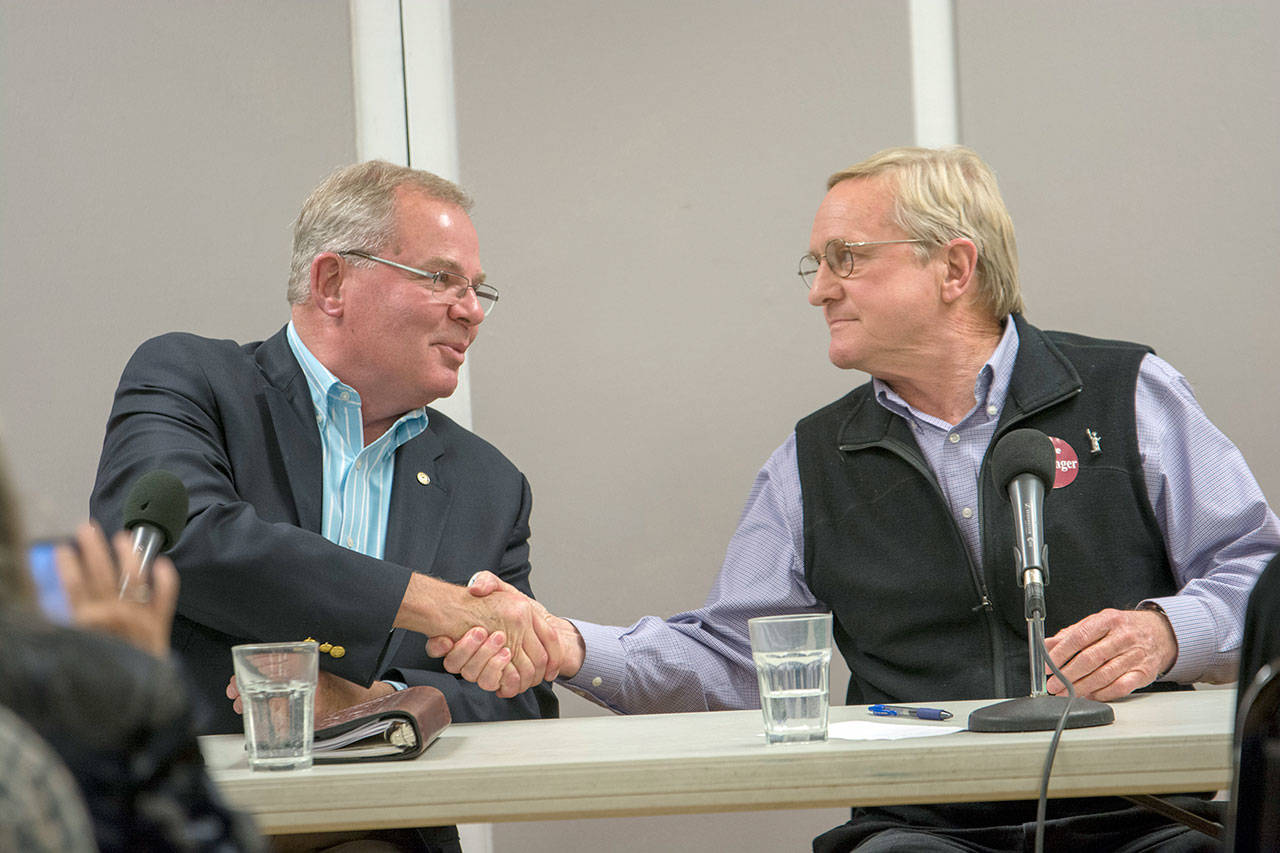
(53, 601)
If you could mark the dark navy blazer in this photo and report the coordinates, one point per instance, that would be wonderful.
(236, 424)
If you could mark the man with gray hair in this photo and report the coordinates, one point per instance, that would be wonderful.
(327, 500)
(879, 509)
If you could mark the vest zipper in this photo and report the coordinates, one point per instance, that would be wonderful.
(980, 584)
(998, 674)
(993, 621)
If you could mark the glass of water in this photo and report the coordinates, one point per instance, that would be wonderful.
(277, 683)
(793, 664)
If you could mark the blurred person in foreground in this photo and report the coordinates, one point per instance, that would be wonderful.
(879, 508)
(114, 708)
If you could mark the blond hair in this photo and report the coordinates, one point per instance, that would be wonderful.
(354, 208)
(944, 193)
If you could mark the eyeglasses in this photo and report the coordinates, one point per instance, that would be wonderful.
(839, 257)
(447, 287)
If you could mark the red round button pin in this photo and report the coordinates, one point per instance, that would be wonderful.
(1066, 463)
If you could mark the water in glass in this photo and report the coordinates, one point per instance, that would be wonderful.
(277, 723)
(794, 693)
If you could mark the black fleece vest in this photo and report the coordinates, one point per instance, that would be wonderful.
(914, 618)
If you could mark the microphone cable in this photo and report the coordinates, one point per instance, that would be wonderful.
(1043, 802)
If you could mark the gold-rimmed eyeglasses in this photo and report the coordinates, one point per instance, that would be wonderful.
(839, 256)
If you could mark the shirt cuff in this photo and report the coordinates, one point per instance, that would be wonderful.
(1193, 628)
(398, 685)
(604, 665)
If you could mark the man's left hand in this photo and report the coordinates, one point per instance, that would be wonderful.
(1112, 653)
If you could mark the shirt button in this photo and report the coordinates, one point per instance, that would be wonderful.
(359, 464)
(597, 681)
(350, 543)
(344, 396)
(991, 410)
(954, 437)
(967, 512)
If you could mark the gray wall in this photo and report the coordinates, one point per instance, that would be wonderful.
(646, 174)
(154, 156)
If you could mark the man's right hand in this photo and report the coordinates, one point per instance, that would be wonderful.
(476, 656)
(508, 619)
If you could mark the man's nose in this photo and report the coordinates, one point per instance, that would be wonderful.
(468, 308)
(825, 287)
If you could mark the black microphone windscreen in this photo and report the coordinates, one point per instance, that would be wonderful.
(1023, 451)
(158, 498)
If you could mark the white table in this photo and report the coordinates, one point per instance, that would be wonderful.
(718, 761)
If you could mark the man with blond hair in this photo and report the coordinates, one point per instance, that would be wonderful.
(879, 509)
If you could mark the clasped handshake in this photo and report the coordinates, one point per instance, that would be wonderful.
(488, 632)
(502, 640)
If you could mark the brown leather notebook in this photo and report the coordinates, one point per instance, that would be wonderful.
(398, 725)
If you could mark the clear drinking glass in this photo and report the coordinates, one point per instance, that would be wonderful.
(793, 664)
(277, 683)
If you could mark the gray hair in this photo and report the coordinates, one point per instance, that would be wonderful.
(944, 193)
(354, 208)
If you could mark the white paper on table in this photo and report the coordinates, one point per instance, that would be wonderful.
(876, 730)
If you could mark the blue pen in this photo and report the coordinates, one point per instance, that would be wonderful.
(907, 711)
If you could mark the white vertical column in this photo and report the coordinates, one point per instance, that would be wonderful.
(428, 74)
(402, 65)
(933, 73)
(377, 66)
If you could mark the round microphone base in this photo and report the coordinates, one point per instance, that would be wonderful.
(1038, 714)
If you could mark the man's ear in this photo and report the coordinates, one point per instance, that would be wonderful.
(327, 270)
(960, 276)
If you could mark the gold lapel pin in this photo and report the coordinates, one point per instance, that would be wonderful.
(423, 478)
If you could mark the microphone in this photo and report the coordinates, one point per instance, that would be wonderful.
(156, 511)
(1023, 464)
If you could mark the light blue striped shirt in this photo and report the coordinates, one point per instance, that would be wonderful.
(1218, 530)
(357, 479)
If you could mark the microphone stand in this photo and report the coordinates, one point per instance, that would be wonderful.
(1041, 711)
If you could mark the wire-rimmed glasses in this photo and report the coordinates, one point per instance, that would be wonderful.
(447, 287)
(839, 257)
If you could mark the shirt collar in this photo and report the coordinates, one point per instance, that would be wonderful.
(989, 388)
(327, 392)
(321, 383)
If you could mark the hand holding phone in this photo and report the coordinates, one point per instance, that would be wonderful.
(90, 570)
